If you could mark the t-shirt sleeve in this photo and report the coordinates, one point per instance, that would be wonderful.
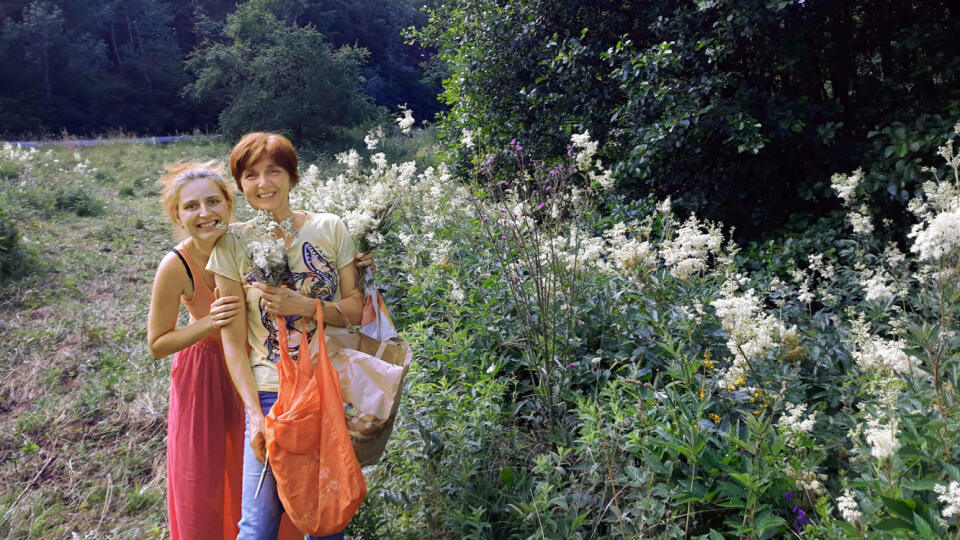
(224, 259)
(346, 248)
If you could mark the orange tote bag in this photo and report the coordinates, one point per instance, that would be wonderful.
(319, 479)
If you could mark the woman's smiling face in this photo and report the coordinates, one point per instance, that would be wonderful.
(266, 185)
(202, 208)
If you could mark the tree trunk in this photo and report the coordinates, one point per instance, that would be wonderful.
(113, 41)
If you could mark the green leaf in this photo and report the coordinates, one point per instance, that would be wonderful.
(744, 478)
(893, 524)
(924, 528)
(901, 507)
(767, 522)
(920, 485)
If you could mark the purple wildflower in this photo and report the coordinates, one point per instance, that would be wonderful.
(800, 520)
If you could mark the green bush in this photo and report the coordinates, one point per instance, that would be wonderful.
(10, 170)
(636, 376)
(80, 201)
(743, 108)
(11, 254)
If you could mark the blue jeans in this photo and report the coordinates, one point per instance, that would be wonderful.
(260, 517)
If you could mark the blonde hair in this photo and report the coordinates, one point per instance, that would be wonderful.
(180, 174)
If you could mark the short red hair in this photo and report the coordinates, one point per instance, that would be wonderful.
(255, 146)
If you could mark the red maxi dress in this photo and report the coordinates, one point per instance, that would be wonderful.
(204, 433)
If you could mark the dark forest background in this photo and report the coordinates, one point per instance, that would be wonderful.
(159, 67)
(739, 109)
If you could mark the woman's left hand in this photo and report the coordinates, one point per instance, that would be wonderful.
(283, 301)
(362, 261)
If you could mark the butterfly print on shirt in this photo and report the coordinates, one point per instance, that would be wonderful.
(320, 281)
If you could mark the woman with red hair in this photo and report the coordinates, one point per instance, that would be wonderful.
(319, 253)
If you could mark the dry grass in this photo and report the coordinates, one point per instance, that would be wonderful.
(82, 402)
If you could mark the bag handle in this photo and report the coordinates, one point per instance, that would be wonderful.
(370, 291)
(294, 369)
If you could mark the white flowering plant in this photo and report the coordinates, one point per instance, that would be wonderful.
(625, 364)
(266, 245)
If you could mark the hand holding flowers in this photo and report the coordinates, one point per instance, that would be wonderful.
(279, 300)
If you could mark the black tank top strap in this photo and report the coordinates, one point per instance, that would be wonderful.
(185, 264)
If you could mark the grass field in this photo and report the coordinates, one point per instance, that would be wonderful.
(82, 402)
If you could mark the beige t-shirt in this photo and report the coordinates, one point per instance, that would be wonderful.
(320, 249)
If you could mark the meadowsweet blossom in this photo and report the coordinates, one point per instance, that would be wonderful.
(373, 138)
(882, 438)
(949, 495)
(938, 197)
(379, 161)
(876, 353)
(406, 121)
(268, 252)
(18, 153)
(665, 207)
(456, 292)
(467, 138)
(893, 256)
(590, 250)
(604, 177)
(265, 241)
(877, 288)
(811, 481)
(349, 158)
(793, 420)
(847, 505)
(84, 168)
(846, 186)
(860, 221)
(803, 293)
(752, 332)
(819, 265)
(946, 151)
(686, 253)
(629, 254)
(441, 254)
(366, 198)
(585, 150)
(937, 238)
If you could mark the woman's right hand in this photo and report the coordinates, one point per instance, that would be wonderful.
(258, 439)
(224, 310)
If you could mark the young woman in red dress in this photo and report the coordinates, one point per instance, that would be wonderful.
(205, 424)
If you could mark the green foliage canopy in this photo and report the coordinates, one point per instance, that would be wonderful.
(85, 67)
(271, 75)
(743, 108)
